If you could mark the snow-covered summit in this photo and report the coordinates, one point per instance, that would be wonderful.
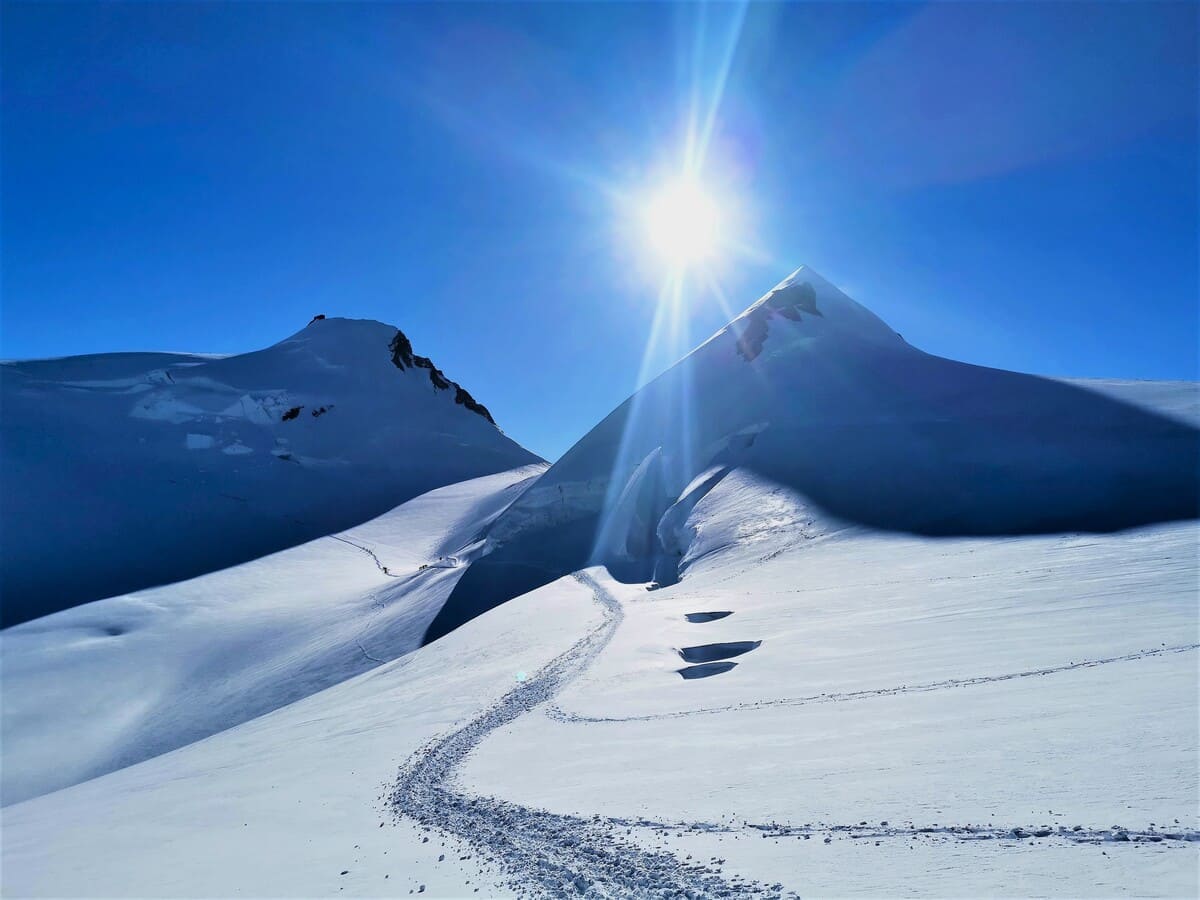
(811, 391)
(194, 463)
(804, 296)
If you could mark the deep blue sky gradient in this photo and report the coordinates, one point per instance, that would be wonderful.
(1008, 184)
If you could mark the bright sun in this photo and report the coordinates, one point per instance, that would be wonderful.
(682, 223)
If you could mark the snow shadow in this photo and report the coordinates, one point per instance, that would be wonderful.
(706, 670)
(527, 561)
(978, 452)
(704, 653)
(888, 438)
(699, 617)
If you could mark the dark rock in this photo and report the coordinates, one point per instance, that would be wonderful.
(404, 358)
(401, 349)
(463, 398)
(787, 302)
(753, 333)
(291, 413)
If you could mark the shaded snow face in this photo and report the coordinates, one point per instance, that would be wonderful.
(123, 471)
(810, 391)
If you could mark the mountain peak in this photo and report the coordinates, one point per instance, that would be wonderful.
(334, 340)
(816, 308)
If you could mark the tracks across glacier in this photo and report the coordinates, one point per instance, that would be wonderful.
(545, 854)
(561, 715)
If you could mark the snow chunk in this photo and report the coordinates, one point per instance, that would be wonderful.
(237, 448)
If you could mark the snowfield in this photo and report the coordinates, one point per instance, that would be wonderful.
(681, 662)
(939, 702)
(108, 684)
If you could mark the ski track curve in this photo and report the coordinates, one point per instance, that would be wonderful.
(539, 853)
(544, 854)
(560, 715)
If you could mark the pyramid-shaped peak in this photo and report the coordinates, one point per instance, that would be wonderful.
(815, 306)
(809, 274)
(807, 282)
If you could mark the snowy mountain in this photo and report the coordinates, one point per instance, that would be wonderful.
(812, 613)
(811, 391)
(194, 463)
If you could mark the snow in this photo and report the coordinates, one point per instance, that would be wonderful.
(868, 430)
(981, 684)
(317, 433)
(276, 806)
(291, 799)
(110, 683)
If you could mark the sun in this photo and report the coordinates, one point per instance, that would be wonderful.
(682, 223)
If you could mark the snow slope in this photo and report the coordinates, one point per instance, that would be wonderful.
(108, 684)
(982, 683)
(810, 390)
(923, 717)
(194, 463)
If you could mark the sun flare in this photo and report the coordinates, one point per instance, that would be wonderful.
(681, 222)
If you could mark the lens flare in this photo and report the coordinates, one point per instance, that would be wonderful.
(682, 223)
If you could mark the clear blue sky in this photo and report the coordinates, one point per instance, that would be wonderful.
(1013, 184)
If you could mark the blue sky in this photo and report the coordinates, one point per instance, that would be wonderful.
(1013, 185)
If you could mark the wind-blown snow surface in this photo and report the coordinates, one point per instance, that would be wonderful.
(917, 628)
(184, 464)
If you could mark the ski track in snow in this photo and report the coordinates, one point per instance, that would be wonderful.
(544, 854)
(375, 602)
(374, 598)
(371, 553)
(968, 832)
(559, 714)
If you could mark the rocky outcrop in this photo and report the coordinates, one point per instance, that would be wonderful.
(788, 302)
(404, 358)
(463, 398)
